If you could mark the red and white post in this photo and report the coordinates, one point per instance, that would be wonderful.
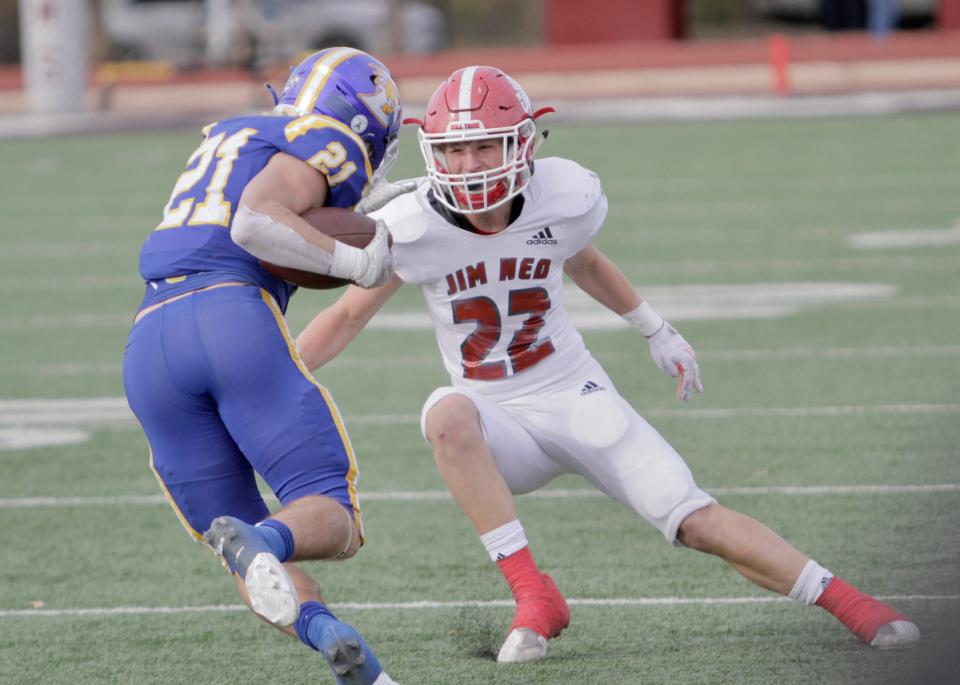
(55, 48)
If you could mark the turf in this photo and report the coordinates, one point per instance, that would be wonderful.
(715, 204)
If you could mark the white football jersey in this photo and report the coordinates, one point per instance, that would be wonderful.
(497, 300)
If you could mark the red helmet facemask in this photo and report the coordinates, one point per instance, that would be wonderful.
(479, 103)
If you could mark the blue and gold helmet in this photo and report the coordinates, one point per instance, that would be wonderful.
(353, 87)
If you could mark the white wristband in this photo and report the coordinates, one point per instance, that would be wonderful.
(644, 319)
(348, 262)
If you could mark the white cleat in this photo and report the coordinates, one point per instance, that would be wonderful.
(272, 593)
(896, 635)
(522, 646)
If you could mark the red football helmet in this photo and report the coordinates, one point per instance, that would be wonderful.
(478, 103)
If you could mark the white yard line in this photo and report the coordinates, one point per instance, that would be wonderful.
(928, 237)
(432, 604)
(360, 363)
(586, 317)
(111, 411)
(22, 438)
(676, 302)
(19, 252)
(683, 266)
(433, 495)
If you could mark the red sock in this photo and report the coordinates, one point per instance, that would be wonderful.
(521, 572)
(540, 605)
(859, 612)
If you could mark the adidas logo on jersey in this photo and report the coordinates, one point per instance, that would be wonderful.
(544, 237)
(590, 387)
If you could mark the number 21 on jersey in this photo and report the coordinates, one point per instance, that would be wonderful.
(524, 349)
(213, 209)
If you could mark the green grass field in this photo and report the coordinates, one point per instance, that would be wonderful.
(832, 390)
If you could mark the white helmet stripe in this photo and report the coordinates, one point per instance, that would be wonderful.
(466, 87)
(318, 78)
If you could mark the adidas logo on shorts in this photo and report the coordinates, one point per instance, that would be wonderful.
(544, 237)
(590, 387)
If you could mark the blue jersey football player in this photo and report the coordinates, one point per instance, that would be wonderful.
(210, 369)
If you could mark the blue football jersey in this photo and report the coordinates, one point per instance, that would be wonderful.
(191, 246)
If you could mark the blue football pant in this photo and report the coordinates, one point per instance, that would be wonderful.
(221, 393)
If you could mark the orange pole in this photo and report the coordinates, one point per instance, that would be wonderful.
(778, 51)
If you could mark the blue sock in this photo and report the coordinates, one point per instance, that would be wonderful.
(312, 617)
(278, 537)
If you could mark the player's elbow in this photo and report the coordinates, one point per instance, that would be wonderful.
(252, 230)
(243, 229)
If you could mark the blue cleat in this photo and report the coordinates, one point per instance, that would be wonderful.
(349, 657)
(272, 593)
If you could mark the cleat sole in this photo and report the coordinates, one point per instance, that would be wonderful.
(896, 635)
(345, 657)
(522, 646)
(272, 593)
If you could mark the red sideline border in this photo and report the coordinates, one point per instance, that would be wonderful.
(856, 47)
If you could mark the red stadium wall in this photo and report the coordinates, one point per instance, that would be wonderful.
(948, 16)
(604, 21)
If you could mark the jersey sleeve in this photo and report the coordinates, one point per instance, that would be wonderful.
(330, 147)
(585, 226)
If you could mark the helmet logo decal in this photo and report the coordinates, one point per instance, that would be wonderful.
(290, 84)
(521, 95)
(384, 101)
(359, 123)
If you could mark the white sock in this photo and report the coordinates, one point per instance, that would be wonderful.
(813, 580)
(503, 541)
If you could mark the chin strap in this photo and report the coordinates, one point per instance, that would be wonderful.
(273, 94)
(540, 139)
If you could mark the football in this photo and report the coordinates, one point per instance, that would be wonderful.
(344, 225)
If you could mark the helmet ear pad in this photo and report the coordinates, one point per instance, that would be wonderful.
(478, 103)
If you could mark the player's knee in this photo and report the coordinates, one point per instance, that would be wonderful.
(353, 543)
(700, 530)
(452, 422)
(323, 528)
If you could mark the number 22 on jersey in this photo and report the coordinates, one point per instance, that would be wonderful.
(524, 349)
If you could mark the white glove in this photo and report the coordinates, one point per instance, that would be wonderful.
(674, 355)
(379, 259)
(381, 194)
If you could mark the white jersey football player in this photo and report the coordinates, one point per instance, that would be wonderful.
(488, 236)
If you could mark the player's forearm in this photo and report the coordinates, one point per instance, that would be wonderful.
(602, 280)
(336, 326)
(326, 336)
(276, 242)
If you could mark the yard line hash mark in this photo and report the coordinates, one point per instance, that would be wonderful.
(431, 495)
(114, 410)
(359, 363)
(431, 604)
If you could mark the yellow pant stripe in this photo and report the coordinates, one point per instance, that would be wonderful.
(334, 412)
(194, 534)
